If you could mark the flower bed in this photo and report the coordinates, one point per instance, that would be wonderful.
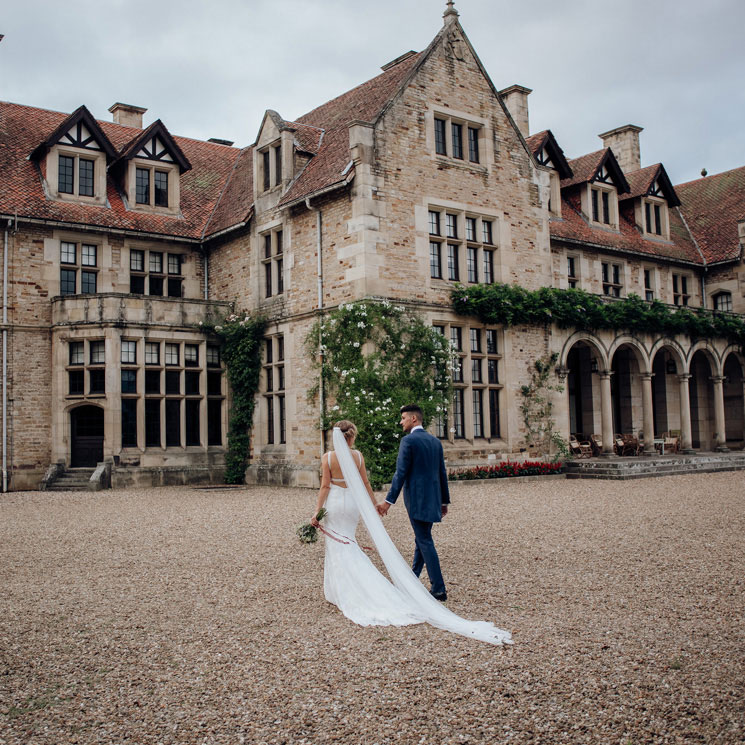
(506, 469)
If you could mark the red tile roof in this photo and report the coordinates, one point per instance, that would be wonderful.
(364, 103)
(23, 128)
(712, 206)
(573, 227)
(584, 168)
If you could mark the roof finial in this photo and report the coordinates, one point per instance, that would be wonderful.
(450, 13)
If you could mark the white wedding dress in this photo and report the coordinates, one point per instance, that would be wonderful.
(360, 591)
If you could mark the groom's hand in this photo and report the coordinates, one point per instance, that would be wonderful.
(444, 510)
(383, 508)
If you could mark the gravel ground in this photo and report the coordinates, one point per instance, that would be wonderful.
(182, 616)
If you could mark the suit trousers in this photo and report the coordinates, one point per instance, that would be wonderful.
(425, 553)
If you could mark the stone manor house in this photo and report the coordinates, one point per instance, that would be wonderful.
(119, 241)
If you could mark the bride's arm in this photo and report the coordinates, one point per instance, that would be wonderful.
(323, 492)
(365, 480)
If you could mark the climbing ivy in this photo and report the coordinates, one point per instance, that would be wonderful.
(241, 338)
(511, 305)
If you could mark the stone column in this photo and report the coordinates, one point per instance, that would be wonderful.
(606, 411)
(719, 421)
(648, 413)
(686, 438)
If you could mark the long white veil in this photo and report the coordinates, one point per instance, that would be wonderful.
(433, 611)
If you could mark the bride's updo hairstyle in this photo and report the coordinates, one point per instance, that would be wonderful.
(347, 428)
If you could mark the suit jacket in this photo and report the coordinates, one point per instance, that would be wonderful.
(420, 470)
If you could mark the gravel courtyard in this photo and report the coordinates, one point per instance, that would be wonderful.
(182, 616)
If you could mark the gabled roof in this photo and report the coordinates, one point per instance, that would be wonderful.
(327, 129)
(587, 167)
(546, 141)
(79, 119)
(712, 207)
(22, 128)
(156, 131)
(643, 181)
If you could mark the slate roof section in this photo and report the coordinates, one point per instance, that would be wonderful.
(712, 207)
(362, 103)
(23, 128)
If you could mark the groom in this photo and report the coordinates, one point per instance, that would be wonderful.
(420, 470)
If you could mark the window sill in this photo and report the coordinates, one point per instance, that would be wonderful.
(447, 162)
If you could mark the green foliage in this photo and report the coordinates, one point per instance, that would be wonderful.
(536, 406)
(511, 305)
(378, 357)
(241, 338)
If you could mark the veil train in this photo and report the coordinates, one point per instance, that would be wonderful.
(433, 611)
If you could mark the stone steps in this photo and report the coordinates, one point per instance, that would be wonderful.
(644, 468)
(73, 479)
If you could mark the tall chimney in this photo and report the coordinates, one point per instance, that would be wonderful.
(129, 116)
(624, 141)
(516, 100)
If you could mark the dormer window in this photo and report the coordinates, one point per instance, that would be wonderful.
(151, 187)
(74, 158)
(270, 166)
(67, 171)
(656, 221)
(152, 166)
(603, 201)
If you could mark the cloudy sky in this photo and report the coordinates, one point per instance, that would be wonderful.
(210, 69)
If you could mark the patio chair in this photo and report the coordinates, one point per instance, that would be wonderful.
(672, 442)
(596, 441)
(631, 445)
(580, 448)
(618, 444)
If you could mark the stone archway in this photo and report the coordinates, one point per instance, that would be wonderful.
(582, 359)
(626, 389)
(701, 396)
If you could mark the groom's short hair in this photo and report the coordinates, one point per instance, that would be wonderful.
(413, 409)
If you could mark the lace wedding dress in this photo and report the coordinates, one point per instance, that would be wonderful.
(361, 592)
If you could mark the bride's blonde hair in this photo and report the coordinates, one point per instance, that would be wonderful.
(348, 429)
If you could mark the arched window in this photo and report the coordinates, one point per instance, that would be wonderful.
(723, 301)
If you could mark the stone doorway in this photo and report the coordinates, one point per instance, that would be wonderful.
(86, 430)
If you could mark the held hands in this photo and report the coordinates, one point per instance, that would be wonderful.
(382, 508)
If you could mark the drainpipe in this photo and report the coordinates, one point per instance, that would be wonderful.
(205, 258)
(5, 359)
(319, 275)
(703, 287)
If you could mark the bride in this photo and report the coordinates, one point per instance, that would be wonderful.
(351, 581)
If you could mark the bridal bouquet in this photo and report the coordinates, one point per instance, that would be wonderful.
(308, 533)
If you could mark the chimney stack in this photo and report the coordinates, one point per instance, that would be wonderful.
(516, 100)
(127, 115)
(624, 141)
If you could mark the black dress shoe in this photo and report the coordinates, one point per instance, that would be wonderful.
(441, 596)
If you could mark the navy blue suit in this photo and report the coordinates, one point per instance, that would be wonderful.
(420, 470)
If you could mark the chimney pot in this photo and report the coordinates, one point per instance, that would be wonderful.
(624, 141)
(516, 100)
(127, 115)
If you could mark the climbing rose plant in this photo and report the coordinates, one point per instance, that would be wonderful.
(377, 357)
